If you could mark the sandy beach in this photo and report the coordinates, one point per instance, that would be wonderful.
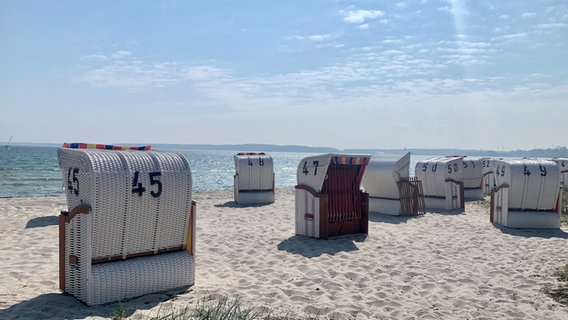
(453, 265)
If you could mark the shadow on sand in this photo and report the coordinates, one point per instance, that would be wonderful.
(311, 247)
(233, 204)
(533, 233)
(387, 218)
(63, 306)
(41, 222)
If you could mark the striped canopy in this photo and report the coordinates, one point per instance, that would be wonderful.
(312, 171)
(80, 145)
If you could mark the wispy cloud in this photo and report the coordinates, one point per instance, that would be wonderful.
(360, 16)
(320, 37)
(392, 41)
(120, 71)
(120, 54)
(511, 37)
(551, 25)
(528, 14)
(313, 37)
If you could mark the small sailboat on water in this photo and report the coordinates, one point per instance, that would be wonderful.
(9, 145)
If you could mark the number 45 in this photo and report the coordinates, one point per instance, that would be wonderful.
(137, 186)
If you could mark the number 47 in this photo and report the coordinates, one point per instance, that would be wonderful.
(305, 167)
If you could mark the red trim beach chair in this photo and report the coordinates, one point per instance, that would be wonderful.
(329, 201)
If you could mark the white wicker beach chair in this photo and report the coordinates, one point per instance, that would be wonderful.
(563, 163)
(442, 182)
(527, 194)
(488, 175)
(472, 177)
(329, 201)
(130, 227)
(390, 188)
(254, 178)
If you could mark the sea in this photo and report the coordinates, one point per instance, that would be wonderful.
(33, 171)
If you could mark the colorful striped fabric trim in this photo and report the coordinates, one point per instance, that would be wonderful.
(350, 160)
(251, 154)
(360, 162)
(102, 146)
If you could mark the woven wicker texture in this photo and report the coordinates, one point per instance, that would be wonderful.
(120, 280)
(78, 236)
(140, 205)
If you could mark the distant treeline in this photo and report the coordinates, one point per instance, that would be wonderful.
(248, 147)
(558, 152)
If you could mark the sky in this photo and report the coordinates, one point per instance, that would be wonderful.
(467, 74)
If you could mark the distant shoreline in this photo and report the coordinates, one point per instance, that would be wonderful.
(558, 152)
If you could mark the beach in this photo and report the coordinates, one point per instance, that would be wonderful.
(442, 265)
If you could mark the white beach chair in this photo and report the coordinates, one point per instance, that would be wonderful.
(442, 182)
(254, 178)
(527, 194)
(130, 228)
(472, 177)
(488, 175)
(390, 188)
(329, 201)
(563, 164)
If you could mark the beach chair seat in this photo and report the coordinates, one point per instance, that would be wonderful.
(329, 201)
(488, 176)
(442, 182)
(130, 225)
(254, 178)
(527, 194)
(391, 190)
(472, 177)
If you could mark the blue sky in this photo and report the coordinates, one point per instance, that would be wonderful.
(347, 74)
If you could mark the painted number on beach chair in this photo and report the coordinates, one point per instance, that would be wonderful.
(542, 171)
(502, 172)
(73, 183)
(305, 167)
(260, 162)
(138, 188)
(455, 168)
(425, 167)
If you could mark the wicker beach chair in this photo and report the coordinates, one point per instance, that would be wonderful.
(391, 190)
(329, 201)
(527, 194)
(130, 225)
(488, 175)
(563, 164)
(442, 182)
(254, 178)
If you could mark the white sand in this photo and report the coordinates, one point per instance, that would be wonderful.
(438, 266)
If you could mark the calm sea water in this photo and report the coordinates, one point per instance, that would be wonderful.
(34, 171)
